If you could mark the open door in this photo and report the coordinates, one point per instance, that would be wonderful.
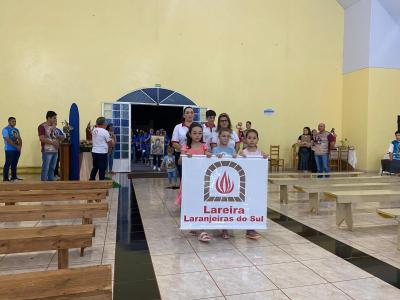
(119, 114)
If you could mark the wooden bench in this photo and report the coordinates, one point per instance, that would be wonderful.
(395, 214)
(285, 182)
(314, 191)
(12, 197)
(60, 238)
(53, 212)
(344, 200)
(88, 283)
(55, 185)
(311, 175)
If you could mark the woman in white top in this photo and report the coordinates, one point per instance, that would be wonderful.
(225, 122)
(101, 143)
(179, 135)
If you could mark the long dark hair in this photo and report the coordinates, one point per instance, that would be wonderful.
(189, 138)
(308, 129)
(224, 115)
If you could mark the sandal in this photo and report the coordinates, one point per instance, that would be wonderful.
(252, 234)
(225, 235)
(204, 237)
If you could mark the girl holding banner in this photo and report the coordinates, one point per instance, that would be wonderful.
(194, 146)
(251, 139)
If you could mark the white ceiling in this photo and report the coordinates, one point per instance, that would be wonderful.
(347, 3)
(393, 8)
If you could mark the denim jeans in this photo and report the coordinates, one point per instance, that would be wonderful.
(322, 162)
(49, 161)
(99, 165)
(12, 158)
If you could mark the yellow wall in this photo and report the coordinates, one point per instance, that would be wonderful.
(230, 55)
(355, 113)
(383, 109)
(370, 109)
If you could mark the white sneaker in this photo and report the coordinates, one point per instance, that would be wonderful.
(154, 168)
(159, 169)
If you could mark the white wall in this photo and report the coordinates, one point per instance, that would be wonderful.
(356, 36)
(384, 39)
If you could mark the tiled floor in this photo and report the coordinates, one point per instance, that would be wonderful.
(101, 252)
(281, 265)
(372, 234)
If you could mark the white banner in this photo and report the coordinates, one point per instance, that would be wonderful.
(227, 193)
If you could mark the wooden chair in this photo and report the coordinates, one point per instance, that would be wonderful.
(344, 158)
(92, 282)
(275, 160)
(334, 160)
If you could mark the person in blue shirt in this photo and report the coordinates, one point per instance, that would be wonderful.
(224, 148)
(394, 147)
(12, 147)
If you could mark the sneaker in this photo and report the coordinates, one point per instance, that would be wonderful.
(154, 168)
(17, 179)
(159, 169)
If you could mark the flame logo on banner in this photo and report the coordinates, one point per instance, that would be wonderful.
(224, 184)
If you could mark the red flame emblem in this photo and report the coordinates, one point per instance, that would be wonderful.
(224, 184)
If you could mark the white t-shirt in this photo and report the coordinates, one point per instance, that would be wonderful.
(391, 147)
(208, 134)
(179, 134)
(232, 141)
(100, 137)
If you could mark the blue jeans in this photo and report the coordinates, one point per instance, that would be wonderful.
(322, 162)
(12, 158)
(49, 161)
(172, 176)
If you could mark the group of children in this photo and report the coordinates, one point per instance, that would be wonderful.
(195, 146)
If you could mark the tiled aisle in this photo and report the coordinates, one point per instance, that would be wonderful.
(281, 265)
(101, 252)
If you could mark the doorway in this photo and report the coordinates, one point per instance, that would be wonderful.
(145, 117)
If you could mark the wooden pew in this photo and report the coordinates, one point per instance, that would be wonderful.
(12, 197)
(285, 182)
(88, 283)
(53, 212)
(344, 200)
(312, 175)
(60, 238)
(395, 214)
(55, 185)
(314, 191)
